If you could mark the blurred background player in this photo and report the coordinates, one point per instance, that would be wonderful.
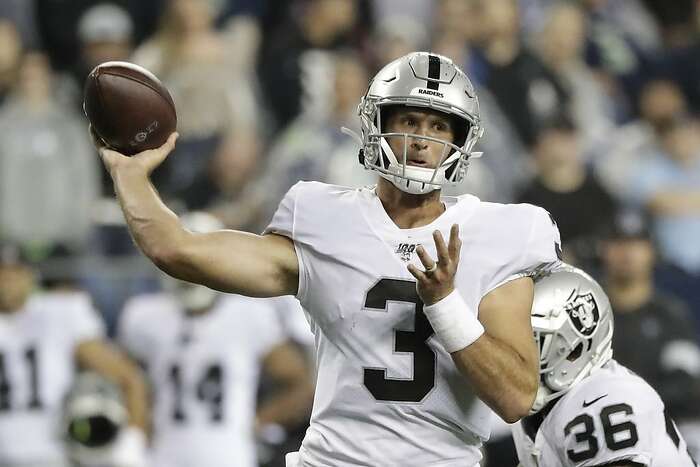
(203, 352)
(43, 336)
(94, 416)
(589, 410)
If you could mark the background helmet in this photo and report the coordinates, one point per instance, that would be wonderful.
(194, 296)
(94, 415)
(573, 325)
(420, 79)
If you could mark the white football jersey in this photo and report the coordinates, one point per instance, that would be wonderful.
(204, 371)
(611, 416)
(37, 366)
(387, 393)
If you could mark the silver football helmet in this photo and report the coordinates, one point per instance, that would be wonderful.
(420, 79)
(573, 325)
(194, 296)
(94, 415)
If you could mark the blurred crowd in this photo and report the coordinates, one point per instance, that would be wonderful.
(591, 110)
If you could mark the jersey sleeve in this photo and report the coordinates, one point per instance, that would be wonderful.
(130, 331)
(269, 331)
(86, 322)
(297, 218)
(295, 321)
(538, 250)
(284, 223)
(523, 445)
(543, 247)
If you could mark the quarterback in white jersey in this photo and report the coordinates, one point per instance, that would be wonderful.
(377, 361)
(420, 304)
(203, 352)
(590, 410)
(42, 337)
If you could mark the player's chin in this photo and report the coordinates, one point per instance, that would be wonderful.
(423, 162)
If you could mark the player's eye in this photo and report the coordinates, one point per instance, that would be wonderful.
(440, 126)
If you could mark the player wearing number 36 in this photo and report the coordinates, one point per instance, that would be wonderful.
(420, 304)
(590, 410)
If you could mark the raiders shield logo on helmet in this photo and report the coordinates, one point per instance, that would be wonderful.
(583, 312)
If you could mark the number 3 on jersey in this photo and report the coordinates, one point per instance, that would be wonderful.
(414, 342)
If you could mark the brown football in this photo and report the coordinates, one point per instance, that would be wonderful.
(128, 107)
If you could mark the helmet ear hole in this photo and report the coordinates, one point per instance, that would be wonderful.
(576, 353)
(451, 169)
(384, 114)
(460, 129)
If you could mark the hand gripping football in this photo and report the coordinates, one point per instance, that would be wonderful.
(128, 107)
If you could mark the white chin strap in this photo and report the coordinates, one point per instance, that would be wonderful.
(407, 178)
(411, 186)
(543, 396)
(412, 179)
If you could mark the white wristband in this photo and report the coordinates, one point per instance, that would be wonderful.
(131, 448)
(454, 323)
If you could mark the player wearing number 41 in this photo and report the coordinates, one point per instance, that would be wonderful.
(590, 410)
(420, 304)
(203, 352)
(43, 336)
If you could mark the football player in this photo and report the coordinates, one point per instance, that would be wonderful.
(589, 410)
(203, 352)
(420, 304)
(42, 338)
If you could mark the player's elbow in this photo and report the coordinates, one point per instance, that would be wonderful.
(515, 412)
(169, 256)
(518, 405)
(166, 257)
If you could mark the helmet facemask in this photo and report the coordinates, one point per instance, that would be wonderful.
(378, 155)
(419, 80)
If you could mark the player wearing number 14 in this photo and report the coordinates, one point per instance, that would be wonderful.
(203, 352)
(590, 410)
(420, 304)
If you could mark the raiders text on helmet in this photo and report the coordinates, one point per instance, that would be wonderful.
(426, 80)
